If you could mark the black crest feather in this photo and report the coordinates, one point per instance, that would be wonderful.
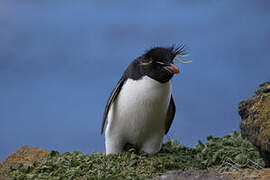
(169, 53)
(179, 49)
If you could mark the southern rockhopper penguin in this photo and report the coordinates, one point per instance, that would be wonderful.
(141, 108)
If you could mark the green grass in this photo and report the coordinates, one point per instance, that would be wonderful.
(226, 152)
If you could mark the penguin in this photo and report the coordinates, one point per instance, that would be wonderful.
(141, 108)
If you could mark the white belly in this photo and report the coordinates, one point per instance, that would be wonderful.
(138, 115)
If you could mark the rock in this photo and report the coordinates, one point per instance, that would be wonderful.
(193, 175)
(24, 155)
(247, 174)
(255, 125)
(250, 174)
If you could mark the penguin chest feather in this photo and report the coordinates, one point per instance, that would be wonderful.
(138, 115)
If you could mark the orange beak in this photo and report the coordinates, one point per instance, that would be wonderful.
(172, 69)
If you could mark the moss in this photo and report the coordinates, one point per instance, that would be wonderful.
(131, 165)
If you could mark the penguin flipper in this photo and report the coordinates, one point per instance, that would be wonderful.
(111, 99)
(170, 115)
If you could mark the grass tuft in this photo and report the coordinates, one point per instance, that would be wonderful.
(213, 154)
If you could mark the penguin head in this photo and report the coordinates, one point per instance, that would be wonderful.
(157, 63)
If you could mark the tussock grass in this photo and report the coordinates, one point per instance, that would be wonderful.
(132, 165)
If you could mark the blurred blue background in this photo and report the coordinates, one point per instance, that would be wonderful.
(59, 61)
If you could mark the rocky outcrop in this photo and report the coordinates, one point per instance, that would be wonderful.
(24, 155)
(255, 125)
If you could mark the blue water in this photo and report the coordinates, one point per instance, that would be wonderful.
(59, 60)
